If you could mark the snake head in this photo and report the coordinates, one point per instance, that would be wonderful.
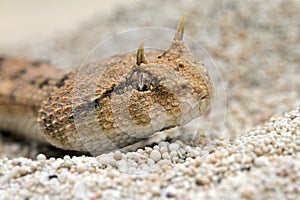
(162, 90)
(173, 79)
(126, 98)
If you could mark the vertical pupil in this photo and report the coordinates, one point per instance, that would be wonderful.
(142, 86)
(141, 81)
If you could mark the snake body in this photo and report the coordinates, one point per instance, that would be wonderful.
(105, 105)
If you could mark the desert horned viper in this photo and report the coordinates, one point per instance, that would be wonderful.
(137, 95)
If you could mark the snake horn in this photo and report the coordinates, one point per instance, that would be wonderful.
(180, 29)
(140, 55)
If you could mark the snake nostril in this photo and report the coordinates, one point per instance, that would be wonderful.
(203, 97)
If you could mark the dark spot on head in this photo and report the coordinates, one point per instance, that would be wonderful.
(180, 65)
(106, 94)
(44, 83)
(163, 54)
(61, 82)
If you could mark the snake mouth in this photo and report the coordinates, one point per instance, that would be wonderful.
(167, 128)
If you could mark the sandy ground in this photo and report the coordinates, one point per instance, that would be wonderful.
(256, 47)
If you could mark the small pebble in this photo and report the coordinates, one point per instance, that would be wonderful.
(117, 155)
(150, 162)
(155, 155)
(165, 155)
(164, 162)
(261, 161)
(41, 157)
(23, 170)
(174, 147)
(81, 167)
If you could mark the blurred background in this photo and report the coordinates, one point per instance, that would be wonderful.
(35, 18)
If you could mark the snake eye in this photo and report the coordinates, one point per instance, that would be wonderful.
(141, 81)
(142, 85)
